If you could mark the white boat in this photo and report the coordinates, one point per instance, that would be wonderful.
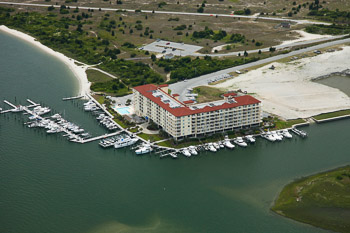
(286, 133)
(125, 141)
(56, 116)
(228, 143)
(211, 147)
(269, 137)
(192, 150)
(276, 136)
(186, 152)
(173, 155)
(250, 138)
(239, 141)
(216, 146)
(146, 148)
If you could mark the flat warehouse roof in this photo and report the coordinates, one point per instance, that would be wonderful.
(178, 49)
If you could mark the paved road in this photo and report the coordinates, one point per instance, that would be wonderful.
(181, 87)
(173, 13)
(281, 46)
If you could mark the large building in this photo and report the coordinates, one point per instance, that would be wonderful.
(187, 119)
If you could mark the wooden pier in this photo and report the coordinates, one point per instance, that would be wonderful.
(98, 137)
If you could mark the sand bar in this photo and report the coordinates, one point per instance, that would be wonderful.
(78, 71)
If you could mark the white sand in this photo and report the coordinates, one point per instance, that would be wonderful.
(79, 71)
(288, 90)
(305, 36)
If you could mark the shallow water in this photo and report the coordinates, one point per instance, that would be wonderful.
(51, 185)
(340, 82)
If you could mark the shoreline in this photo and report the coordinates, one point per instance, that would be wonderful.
(78, 71)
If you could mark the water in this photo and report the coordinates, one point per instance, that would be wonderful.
(50, 185)
(340, 82)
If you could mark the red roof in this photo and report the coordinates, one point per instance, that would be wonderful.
(188, 102)
(230, 94)
(163, 85)
(146, 90)
(176, 95)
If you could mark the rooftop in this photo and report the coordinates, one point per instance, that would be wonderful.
(177, 108)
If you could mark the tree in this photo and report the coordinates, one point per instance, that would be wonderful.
(200, 10)
(153, 57)
(259, 51)
(245, 53)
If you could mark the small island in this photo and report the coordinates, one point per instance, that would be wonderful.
(322, 200)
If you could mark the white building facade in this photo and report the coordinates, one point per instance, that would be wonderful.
(185, 119)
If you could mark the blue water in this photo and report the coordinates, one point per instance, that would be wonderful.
(50, 185)
(123, 110)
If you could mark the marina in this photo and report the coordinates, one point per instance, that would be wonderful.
(44, 176)
(122, 138)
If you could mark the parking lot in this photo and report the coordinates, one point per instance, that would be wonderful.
(166, 47)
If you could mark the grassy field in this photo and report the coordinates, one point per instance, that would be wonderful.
(332, 114)
(321, 200)
(151, 137)
(207, 94)
(280, 124)
(97, 76)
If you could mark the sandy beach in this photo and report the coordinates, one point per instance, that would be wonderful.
(79, 71)
(305, 36)
(288, 90)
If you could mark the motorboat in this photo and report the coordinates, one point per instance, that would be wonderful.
(250, 138)
(125, 141)
(192, 150)
(286, 133)
(276, 136)
(228, 143)
(239, 141)
(216, 146)
(186, 152)
(269, 137)
(211, 147)
(144, 149)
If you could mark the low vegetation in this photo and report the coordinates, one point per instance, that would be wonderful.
(187, 68)
(332, 114)
(321, 200)
(207, 94)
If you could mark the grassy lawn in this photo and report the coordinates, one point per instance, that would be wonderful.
(151, 137)
(332, 114)
(280, 124)
(321, 200)
(99, 98)
(134, 130)
(207, 94)
(97, 76)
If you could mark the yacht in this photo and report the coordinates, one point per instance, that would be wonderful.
(216, 146)
(250, 138)
(211, 147)
(269, 137)
(186, 152)
(276, 136)
(228, 143)
(192, 150)
(145, 148)
(286, 133)
(126, 141)
(239, 141)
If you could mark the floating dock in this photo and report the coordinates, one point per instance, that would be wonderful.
(73, 98)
